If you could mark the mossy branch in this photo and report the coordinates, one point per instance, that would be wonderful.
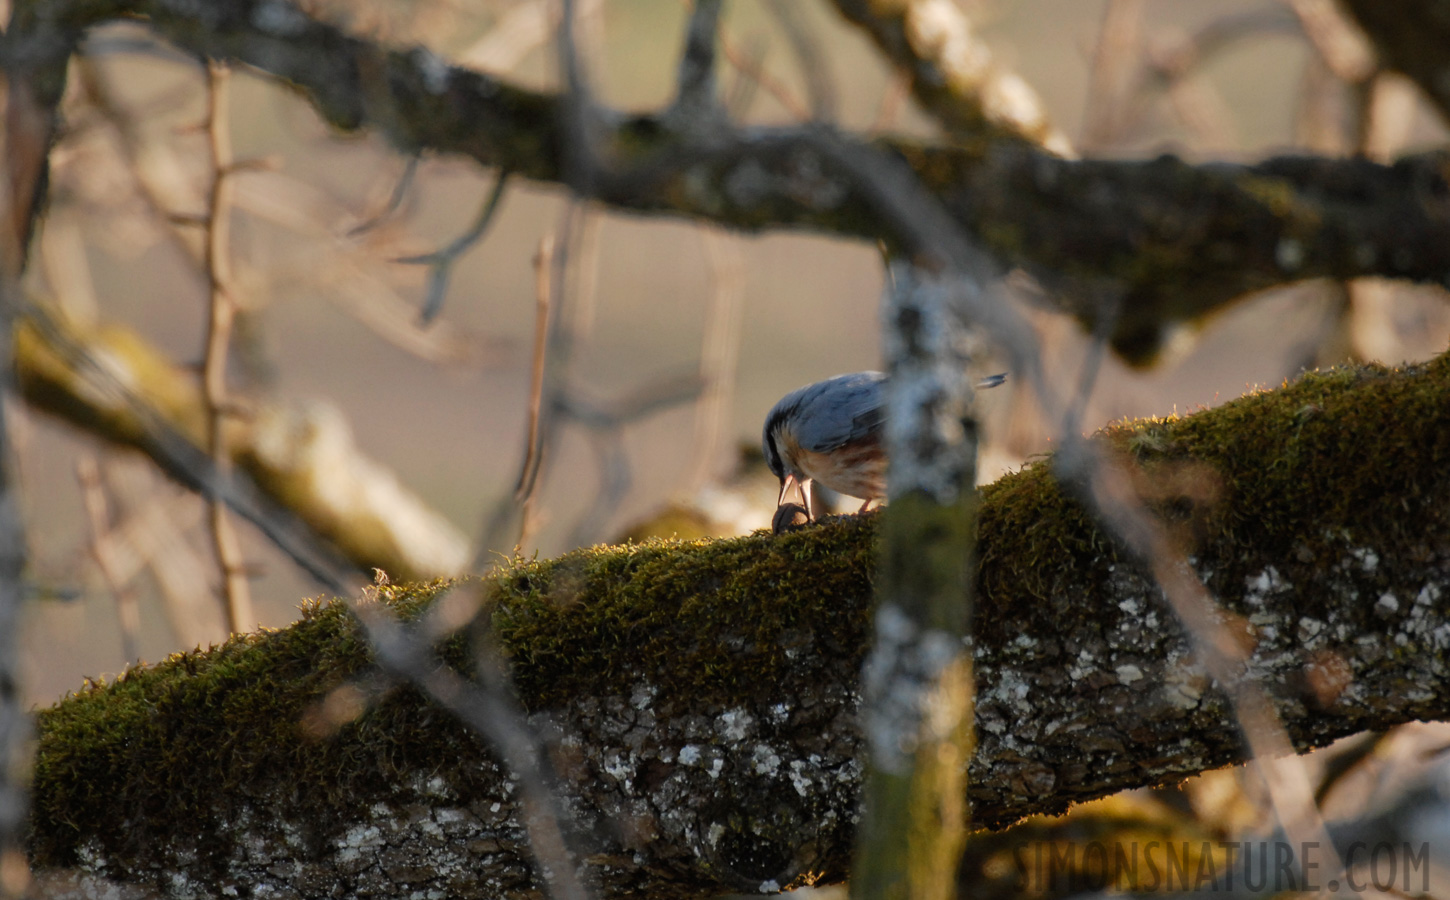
(1174, 241)
(702, 698)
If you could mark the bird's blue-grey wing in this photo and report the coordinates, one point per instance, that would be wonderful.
(847, 409)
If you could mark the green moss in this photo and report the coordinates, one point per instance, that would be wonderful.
(707, 618)
(179, 742)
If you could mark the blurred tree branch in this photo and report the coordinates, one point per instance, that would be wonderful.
(1315, 513)
(1179, 240)
(952, 74)
(108, 381)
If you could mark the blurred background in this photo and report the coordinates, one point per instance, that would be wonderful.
(688, 334)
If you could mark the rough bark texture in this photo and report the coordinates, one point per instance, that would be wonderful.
(702, 697)
(1174, 241)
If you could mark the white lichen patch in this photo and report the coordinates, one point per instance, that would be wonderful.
(642, 696)
(735, 725)
(618, 766)
(765, 760)
(1127, 674)
(799, 779)
(1258, 588)
(1310, 630)
(1387, 604)
(1183, 689)
(689, 755)
(901, 678)
(1366, 558)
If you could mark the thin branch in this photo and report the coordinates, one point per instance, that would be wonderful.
(395, 199)
(155, 519)
(543, 267)
(1338, 41)
(809, 57)
(222, 313)
(656, 395)
(102, 546)
(1113, 54)
(752, 71)
(440, 263)
(1170, 68)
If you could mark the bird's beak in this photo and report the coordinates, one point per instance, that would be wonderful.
(786, 483)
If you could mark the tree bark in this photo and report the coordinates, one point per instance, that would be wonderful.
(702, 699)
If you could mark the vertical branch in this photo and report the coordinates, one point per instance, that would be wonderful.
(222, 312)
(1113, 56)
(30, 86)
(809, 57)
(918, 678)
(88, 473)
(528, 474)
(695, 80)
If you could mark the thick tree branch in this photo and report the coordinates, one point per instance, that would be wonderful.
(702, 699)
(1175, 241)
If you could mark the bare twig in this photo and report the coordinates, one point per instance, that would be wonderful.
(440, 263)
(809, 57)
(1338, 40)
(543, 267)
(222, 312)
(510, 521)
(103, 539)
(892, 99)
(749, 65)
(155, 518)
(1170, 68)
(1113, 57)
(394, 201)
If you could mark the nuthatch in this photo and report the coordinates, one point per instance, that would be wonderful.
(831, 432)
